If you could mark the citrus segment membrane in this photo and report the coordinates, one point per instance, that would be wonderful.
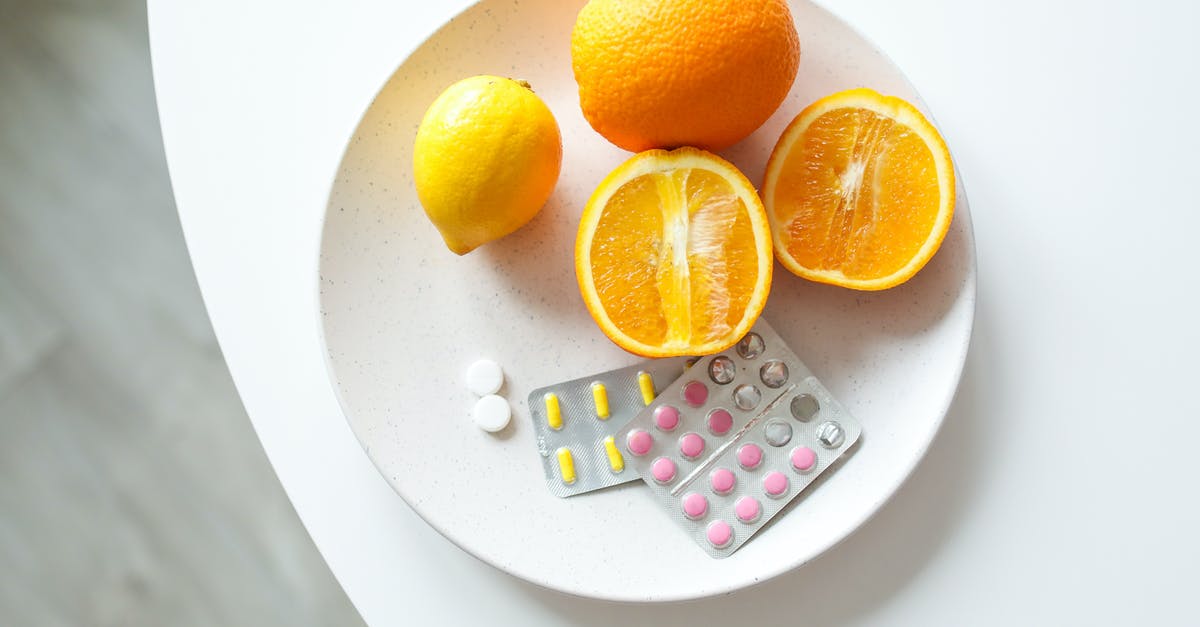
(859, 190)
(671, 255)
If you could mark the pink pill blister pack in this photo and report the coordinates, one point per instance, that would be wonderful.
(731, 442)
(574, 423)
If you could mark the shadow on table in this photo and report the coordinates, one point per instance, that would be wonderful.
(869, 567)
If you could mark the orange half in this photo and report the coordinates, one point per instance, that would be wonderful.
(673, 255)
(859, 191)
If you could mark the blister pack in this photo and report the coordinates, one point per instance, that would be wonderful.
(574, 423)
(731, 442)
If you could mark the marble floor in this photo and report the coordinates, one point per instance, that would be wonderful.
(132, 488)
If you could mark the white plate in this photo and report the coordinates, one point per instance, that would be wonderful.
(403, 318)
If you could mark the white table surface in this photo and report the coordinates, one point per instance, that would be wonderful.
(1063, 485)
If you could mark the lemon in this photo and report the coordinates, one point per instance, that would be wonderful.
(486, 158)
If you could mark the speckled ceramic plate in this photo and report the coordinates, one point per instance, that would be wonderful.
(403, 318)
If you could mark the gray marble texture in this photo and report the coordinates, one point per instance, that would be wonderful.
(133, 490)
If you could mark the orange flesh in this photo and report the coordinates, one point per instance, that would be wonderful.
(674, 258)
(850, 212)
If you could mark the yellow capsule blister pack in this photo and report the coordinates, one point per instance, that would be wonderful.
(574, 422)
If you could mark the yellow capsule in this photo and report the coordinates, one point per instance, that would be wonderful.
(566, 465)
(615, 460)
(646, 384)
(600, 398)
(553, 411)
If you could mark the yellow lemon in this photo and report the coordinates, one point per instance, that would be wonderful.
(486, 158)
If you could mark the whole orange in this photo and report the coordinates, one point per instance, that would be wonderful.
(669, 73)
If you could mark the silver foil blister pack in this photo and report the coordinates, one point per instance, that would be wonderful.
(574, 423)
(736, 438)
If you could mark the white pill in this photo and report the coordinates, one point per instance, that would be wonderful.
(491, 413)
(485, 377)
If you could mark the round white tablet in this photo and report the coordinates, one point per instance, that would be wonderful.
(491, 413)
(485, 377)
